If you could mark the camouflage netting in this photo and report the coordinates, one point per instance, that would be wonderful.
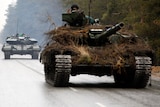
(68, 38)
(70, 35)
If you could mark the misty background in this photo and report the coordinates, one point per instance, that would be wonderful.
(33, 18)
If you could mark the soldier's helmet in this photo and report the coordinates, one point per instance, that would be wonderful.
(74, 7)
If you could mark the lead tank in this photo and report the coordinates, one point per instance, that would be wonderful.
(22, 45)
(98, 50)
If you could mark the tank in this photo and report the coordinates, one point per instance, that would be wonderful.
(98, 50)
(22, 45)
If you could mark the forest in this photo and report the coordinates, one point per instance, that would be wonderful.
(140, 16)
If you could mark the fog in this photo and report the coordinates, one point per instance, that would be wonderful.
(32, 17)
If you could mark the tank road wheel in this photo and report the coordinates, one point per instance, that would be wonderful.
(62, 70)
(142, 72)
(49, 74)
(46, 72)
(7, 55)
(35, 55)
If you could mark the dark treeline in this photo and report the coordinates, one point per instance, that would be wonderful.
(139, 16)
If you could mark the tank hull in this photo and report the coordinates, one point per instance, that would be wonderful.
(135, 75)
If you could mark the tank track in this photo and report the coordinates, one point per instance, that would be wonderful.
(142, 72)
(62, 70)
(140, 76)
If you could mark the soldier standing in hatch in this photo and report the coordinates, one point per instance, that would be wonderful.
(75, 8)
(78, 16)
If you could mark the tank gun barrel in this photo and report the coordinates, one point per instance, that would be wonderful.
(109, 31)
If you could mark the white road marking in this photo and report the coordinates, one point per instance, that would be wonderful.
(100, 105)
(73, 89)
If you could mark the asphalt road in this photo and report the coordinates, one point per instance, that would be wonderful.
(22, 84)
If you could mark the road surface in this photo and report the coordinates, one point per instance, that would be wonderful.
(22, 84)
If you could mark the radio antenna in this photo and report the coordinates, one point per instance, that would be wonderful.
(89, 9)
(17, 27)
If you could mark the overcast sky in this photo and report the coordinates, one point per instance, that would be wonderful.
(3, 10)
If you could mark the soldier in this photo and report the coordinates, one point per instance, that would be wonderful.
(75, 8)
(78, 16)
